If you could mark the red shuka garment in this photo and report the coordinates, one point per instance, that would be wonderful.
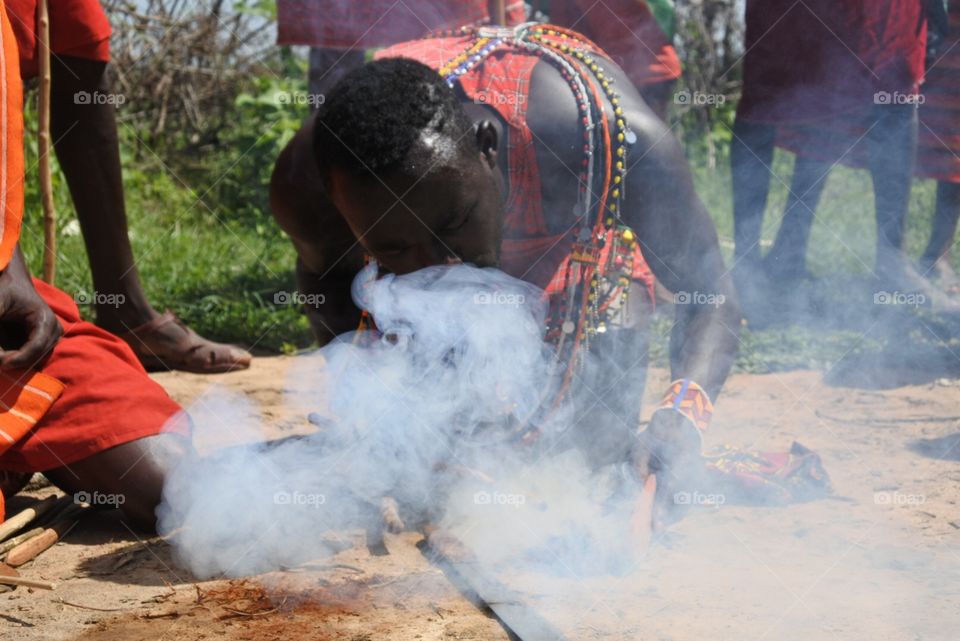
(78, 28)
(938, 137)
(817, 69)
(810, 61)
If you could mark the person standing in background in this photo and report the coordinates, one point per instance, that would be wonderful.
(819, 78)
(938, 147)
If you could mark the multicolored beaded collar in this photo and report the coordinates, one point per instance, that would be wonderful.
(593, 291)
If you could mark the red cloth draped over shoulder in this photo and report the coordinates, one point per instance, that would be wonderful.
(345, 24)
(628, 33)
(529, 251)
(78, 28)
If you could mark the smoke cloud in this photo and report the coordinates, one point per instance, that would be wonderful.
(428, 412)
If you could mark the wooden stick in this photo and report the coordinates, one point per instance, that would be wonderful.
(29, 550)
(500, 12)
(643, 513)
(9, 544)
(43, 145)
(27, 583)
(14, 523)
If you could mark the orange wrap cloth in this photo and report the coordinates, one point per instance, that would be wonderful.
(25, 398)
(11, 142)
(78, 28)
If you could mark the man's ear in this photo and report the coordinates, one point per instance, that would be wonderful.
(487, 141)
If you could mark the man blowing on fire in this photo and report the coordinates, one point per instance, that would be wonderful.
(525, 149)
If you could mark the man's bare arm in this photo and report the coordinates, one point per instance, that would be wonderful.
(328, 256)
(679, 241)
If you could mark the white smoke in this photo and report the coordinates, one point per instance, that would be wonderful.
(427, 412)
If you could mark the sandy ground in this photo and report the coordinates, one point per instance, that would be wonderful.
(878, 561)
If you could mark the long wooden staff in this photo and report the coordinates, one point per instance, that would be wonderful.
(46, 184)
(500, 12)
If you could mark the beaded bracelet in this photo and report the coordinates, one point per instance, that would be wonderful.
(689, 399)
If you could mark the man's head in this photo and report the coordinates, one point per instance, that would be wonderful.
(415, 178)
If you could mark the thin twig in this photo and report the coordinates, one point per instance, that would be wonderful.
(90, 607)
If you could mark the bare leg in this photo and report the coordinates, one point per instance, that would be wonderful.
(85, 138)
(892, 145)
(134, 471)
(935, 261)
(786, 261)
(751, 153)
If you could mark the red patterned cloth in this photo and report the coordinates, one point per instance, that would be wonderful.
(938, 149)
(528, 251)
(342, 24)
(814, 60)
(627, 31)
(78, 28)
(767, 478)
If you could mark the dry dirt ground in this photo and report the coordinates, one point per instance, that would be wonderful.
(879, 561)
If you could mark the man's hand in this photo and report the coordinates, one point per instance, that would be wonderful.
(24, 314)
(668, 449)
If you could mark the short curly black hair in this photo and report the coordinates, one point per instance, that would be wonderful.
(373, 117)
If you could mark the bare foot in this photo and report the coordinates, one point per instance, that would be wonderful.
(166, 343)
(941, 273)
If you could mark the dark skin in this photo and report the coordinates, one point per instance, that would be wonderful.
(452, 209)
(935, 261)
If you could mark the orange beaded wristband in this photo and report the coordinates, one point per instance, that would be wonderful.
(689, 399)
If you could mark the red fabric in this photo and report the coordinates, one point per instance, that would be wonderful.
(812, 60)
(938, 144)
(11, 142)
(78, 28)
(343, 24)
(108, 399)
(528, 250)
(627, 32)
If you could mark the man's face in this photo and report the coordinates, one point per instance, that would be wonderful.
(449, 213)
